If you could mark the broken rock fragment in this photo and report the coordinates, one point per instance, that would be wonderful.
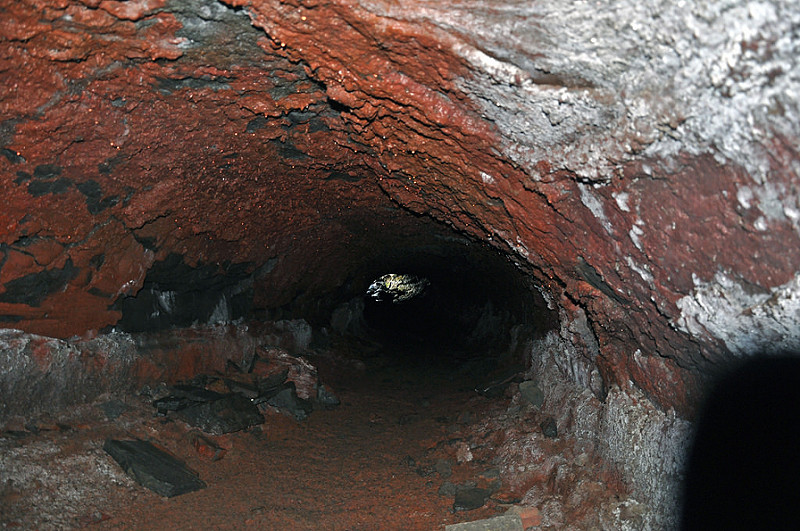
(506, 522)
(273, 384)
(299, 370)
(326, 398)
(207, 448)
(183, 396)
(153, 468)
(287, 400)
(225, 415)
(549, 428)
(234, 401)
(470, 498)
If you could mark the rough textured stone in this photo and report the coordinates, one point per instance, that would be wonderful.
(326, 398)
(222, 415)
(287, 400)
(43, 374)
(549, 428)
(498, 523)
(645, 443)
(153, 468)
(469, 498)
(531, 393)
(644, 169)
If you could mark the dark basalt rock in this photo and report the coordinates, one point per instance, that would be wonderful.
(242, 388)
(326, 398)
(172, 403)
(214, 412)
(40, 188)
(471, 498)
(549, 428)
(153, 468)
(47, 171)
(112, 409)
(183, 396)
(448, 488)
(288, 400)
(95, 202)
(12, 156)
(225, 415)
(273, 384)
(176, 294)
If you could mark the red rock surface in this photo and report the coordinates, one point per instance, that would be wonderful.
(134, 130)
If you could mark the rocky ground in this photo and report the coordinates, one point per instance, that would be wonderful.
(411, 445)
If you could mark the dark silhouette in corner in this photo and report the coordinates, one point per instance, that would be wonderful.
(744, 467)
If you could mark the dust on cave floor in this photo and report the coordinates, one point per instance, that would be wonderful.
(389, 457)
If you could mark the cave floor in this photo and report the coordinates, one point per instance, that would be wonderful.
(389, 457)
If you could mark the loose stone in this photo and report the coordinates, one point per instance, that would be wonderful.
(468, 499)
(228, 414)
(549, 428)
(531, 393)
(153, 468)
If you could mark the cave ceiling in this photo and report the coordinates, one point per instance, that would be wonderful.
(644, 175)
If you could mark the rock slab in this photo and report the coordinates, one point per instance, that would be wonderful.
(153, 468)
(225, 415)
(468, 499)
(506, 522)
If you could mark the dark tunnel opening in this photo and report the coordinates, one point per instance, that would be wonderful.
(470, 318)
(471, 302)
(475, 312)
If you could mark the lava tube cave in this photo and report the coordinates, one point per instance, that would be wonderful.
(371, 264)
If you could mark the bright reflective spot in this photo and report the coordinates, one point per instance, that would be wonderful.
(397, 288)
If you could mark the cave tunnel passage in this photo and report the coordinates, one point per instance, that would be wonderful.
(410, 444)
(458, 309)
(473, 314)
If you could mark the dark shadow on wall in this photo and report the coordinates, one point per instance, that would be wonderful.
(744, 467)
(175, 294)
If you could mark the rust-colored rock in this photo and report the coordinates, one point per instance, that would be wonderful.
(282, 145)
(206, 448)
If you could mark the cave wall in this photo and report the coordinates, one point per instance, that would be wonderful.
(638, 162)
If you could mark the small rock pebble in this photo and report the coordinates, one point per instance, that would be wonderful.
(549, 428)
(531, 393)
(470, 498)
